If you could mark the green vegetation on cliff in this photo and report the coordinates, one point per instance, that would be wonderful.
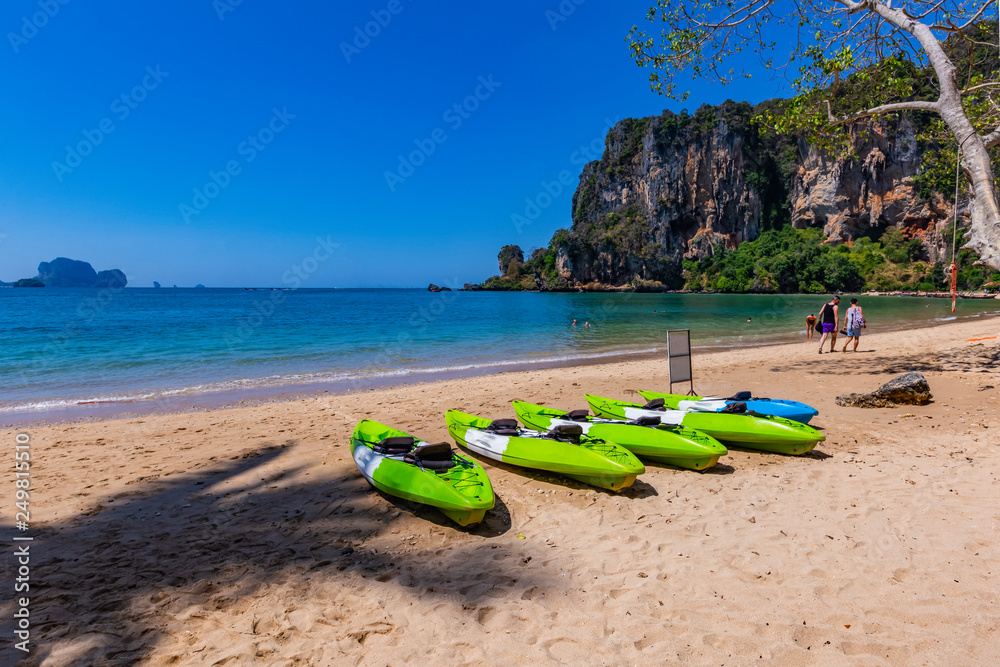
(795, 260)
(538, 273)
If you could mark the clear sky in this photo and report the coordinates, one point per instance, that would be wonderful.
(208, 142)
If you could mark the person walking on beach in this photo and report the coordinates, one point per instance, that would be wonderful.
(855, 322)
(810, 325)
(829, 317)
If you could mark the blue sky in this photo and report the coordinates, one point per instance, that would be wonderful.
(247, 138)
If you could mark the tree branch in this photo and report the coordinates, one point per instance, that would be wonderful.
(885, 108)
(992, 139)
(988, 84)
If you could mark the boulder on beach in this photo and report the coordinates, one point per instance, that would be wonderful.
(907, 389)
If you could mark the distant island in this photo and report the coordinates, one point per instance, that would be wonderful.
(65, 272)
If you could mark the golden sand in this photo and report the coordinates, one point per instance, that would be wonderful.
(246, 536)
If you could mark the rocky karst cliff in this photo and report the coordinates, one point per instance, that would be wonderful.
(676, 186)
(852, 198)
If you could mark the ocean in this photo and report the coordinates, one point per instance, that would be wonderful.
(71, 353)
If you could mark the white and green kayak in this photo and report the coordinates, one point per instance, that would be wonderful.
(563, 449)
(674, 445)
(403, 466)
(766, 433)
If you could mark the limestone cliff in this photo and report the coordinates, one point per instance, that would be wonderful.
(675, 187)
(851, 198)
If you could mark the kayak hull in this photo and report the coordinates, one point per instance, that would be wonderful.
(595, 462)
(761, 432)
(677, 446)
(463, 493)
(775, 407)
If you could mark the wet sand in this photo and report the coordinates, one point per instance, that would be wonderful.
(246, 535)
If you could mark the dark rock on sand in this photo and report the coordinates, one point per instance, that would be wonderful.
(907, 389)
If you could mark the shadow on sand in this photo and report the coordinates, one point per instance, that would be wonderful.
(975, 358)
(108, 577)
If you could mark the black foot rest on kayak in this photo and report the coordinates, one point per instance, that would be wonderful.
(396, 445)
(433, 457)
(646, 421)
(566, 433)
(655, 404)
(741, 396)
(503, 427)
(735, 408)
(578, 415)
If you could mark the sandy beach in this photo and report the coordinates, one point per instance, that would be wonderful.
(247, 536)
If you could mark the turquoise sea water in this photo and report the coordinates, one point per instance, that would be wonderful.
(73, 347)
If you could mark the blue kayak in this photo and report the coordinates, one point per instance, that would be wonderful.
(776, 407)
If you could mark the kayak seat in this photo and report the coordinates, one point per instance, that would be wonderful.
(655, 404)
(434, 457)
(578, 415)
(400, 444)
(571, 432)
(503, 427)
(740, 396)
(735, 408)
(646, 421)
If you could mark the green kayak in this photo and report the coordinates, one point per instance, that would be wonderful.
(766, 433)
(563, 450)
(675, 445)
(408, 468)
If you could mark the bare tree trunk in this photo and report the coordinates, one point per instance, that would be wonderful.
(984, 233)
